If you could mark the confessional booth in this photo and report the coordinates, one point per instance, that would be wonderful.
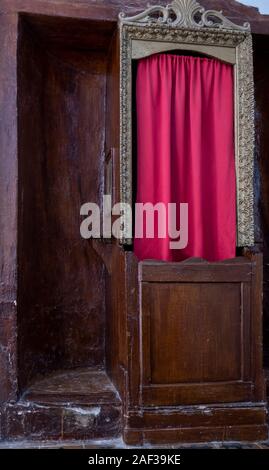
(127, 336)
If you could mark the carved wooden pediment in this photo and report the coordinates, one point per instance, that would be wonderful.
(184, 14)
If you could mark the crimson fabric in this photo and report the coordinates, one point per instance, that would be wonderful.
(185, 152)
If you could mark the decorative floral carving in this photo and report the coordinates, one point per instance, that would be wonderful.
(183, 14)
(245, 144)
(244, 106)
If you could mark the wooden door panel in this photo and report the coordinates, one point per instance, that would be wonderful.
(196, 338)
(194, 332)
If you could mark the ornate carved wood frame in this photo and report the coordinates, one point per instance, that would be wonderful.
(184, 24)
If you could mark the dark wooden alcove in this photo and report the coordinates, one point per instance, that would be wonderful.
(62, 87)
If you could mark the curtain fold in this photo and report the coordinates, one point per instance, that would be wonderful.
(186, 154)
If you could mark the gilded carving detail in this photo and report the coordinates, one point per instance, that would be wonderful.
(205, 34)
(183, 14)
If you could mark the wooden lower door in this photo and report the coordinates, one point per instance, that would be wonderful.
(195, 322)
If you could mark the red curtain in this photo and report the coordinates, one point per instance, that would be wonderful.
(185, 152)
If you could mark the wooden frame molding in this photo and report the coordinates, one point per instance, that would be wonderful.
(186, 25)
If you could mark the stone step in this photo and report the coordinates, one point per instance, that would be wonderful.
(80, 404)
